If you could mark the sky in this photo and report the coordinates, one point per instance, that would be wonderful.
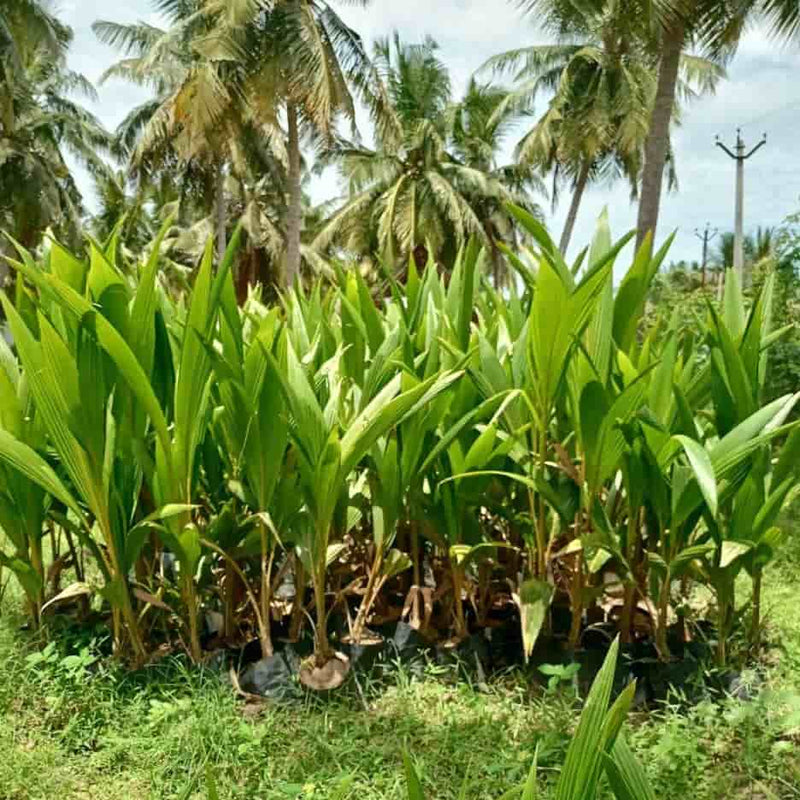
(760, 95)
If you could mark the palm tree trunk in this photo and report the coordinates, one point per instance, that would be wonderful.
(662, 618)
(494, 256)
(632, 552)
(192, 611)
(657, 144)
(416, 565)
(576, 604)
(294, 216)
(230, 601)
(322, 647)
(458, 602)
(572, 215)
(221, 221)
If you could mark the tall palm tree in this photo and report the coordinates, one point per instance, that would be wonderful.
(198, 111)
(758, 247)
(40, 124)
(716, 27)
(479, 125)
(431, 173)
(601, 76)
(304, 62)
(762, 243)
(228, 73)
(26, 25)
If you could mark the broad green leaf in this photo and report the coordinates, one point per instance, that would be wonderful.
(30, 464)
(606, 447)
(632, 294)
(113, 343)
(733, 304)
(68, 268)
(766, 419)
(387, 410)
(142, 325)
(29, 579)
(661, 392)
(703, 469)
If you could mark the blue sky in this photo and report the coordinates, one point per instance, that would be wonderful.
(760, 95)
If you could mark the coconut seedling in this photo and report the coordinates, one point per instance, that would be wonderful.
(525, 442)
(250, 419)
(84, 378)
(330, 440)
(537, 365)
(173, 474)
(23, 502)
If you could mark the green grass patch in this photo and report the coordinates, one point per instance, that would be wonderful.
(74, 726)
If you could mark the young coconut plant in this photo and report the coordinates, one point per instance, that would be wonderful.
(574, 454)
(685, 482)
(23, 502)
(739, 348)
(98, 411)
(742, 529)
(406, 470)
(173, 474)
(250, 417)
(75, 397)
(387, 503)
(704, 511)
(605, 391)
(329, 443)
(537, 364)
(445, 433)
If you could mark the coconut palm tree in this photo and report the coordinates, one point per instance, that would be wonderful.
(758, 246)
(716, 28)
(304, 63)
(40, 124)
(124, 208)
(226, 74)
(601, 76)
(431, 180)
(478, 130)
(762, 243)
(198, 112)
(26, 25)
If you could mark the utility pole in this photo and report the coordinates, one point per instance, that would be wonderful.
(705, 237)
(738, 236)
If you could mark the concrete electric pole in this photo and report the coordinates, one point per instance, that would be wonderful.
(705, 237)
(738, 237)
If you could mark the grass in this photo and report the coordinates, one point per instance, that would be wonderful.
(74, 727)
